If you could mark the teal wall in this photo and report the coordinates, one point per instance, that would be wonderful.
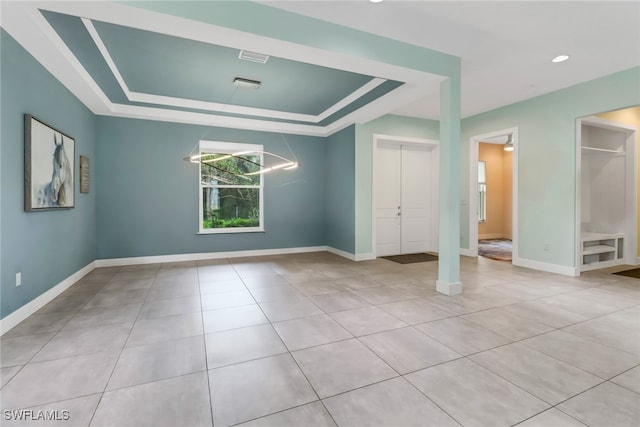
(47, 247)
(385, 125)
(340, 190)
(148, 196)
(547, 160)
(143, 199)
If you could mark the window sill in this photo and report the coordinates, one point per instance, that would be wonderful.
(230, 231)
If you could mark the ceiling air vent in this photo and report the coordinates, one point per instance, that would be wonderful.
(253, 57)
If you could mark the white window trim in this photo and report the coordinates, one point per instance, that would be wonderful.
(229, 148)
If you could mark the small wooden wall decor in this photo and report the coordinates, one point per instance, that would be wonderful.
(84, 174)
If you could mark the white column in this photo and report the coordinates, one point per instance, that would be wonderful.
(448, 282)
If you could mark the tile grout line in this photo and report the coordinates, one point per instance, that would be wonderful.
(115, 365)
(290, 353)
(514, 341)
(204, 340)
(551, 405)
(398, 375)
(413, 326)
(30, 361)
(55, 333)
(622, 373)
(294, 361)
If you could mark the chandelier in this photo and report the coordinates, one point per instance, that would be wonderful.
(252, 158)
(254, 162)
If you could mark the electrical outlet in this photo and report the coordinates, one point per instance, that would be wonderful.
(546, 247)
(18, 279)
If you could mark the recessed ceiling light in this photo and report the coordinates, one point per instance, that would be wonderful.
(560, 58)
(375, 1)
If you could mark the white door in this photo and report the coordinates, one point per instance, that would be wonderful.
(388, 171)
(416, 198)
(405, 199)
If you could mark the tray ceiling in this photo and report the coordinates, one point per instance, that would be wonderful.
(184, 71)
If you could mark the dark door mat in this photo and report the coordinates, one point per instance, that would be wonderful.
(411, 258)
(635, 273)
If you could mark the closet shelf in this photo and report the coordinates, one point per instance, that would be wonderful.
(602, 150)
(600, 249)
(591, 236)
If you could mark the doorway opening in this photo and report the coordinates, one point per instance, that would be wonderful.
(405, 195)
(493, 195)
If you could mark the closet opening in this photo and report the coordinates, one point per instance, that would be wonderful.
(606, 205)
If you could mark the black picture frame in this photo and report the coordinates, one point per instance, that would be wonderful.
(49, 165)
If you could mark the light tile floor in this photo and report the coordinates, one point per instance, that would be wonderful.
(316, 340)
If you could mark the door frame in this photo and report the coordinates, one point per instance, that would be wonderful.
(401, 140)
(630, 244)
(474, 145)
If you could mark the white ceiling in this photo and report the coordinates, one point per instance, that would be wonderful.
(506, 49)
(506, 46)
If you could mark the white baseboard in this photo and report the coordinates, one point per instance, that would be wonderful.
(340, 252)
(37, 303)
(467, 252)
(118, 262)
(349, 255)
(544, 266)
(449, 289)
(365, 257)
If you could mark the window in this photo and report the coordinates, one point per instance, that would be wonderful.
(482, 191)
(230, 187)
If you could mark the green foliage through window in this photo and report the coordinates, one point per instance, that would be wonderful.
(230, 198)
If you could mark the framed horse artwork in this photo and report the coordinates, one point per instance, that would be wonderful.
(48, 168)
